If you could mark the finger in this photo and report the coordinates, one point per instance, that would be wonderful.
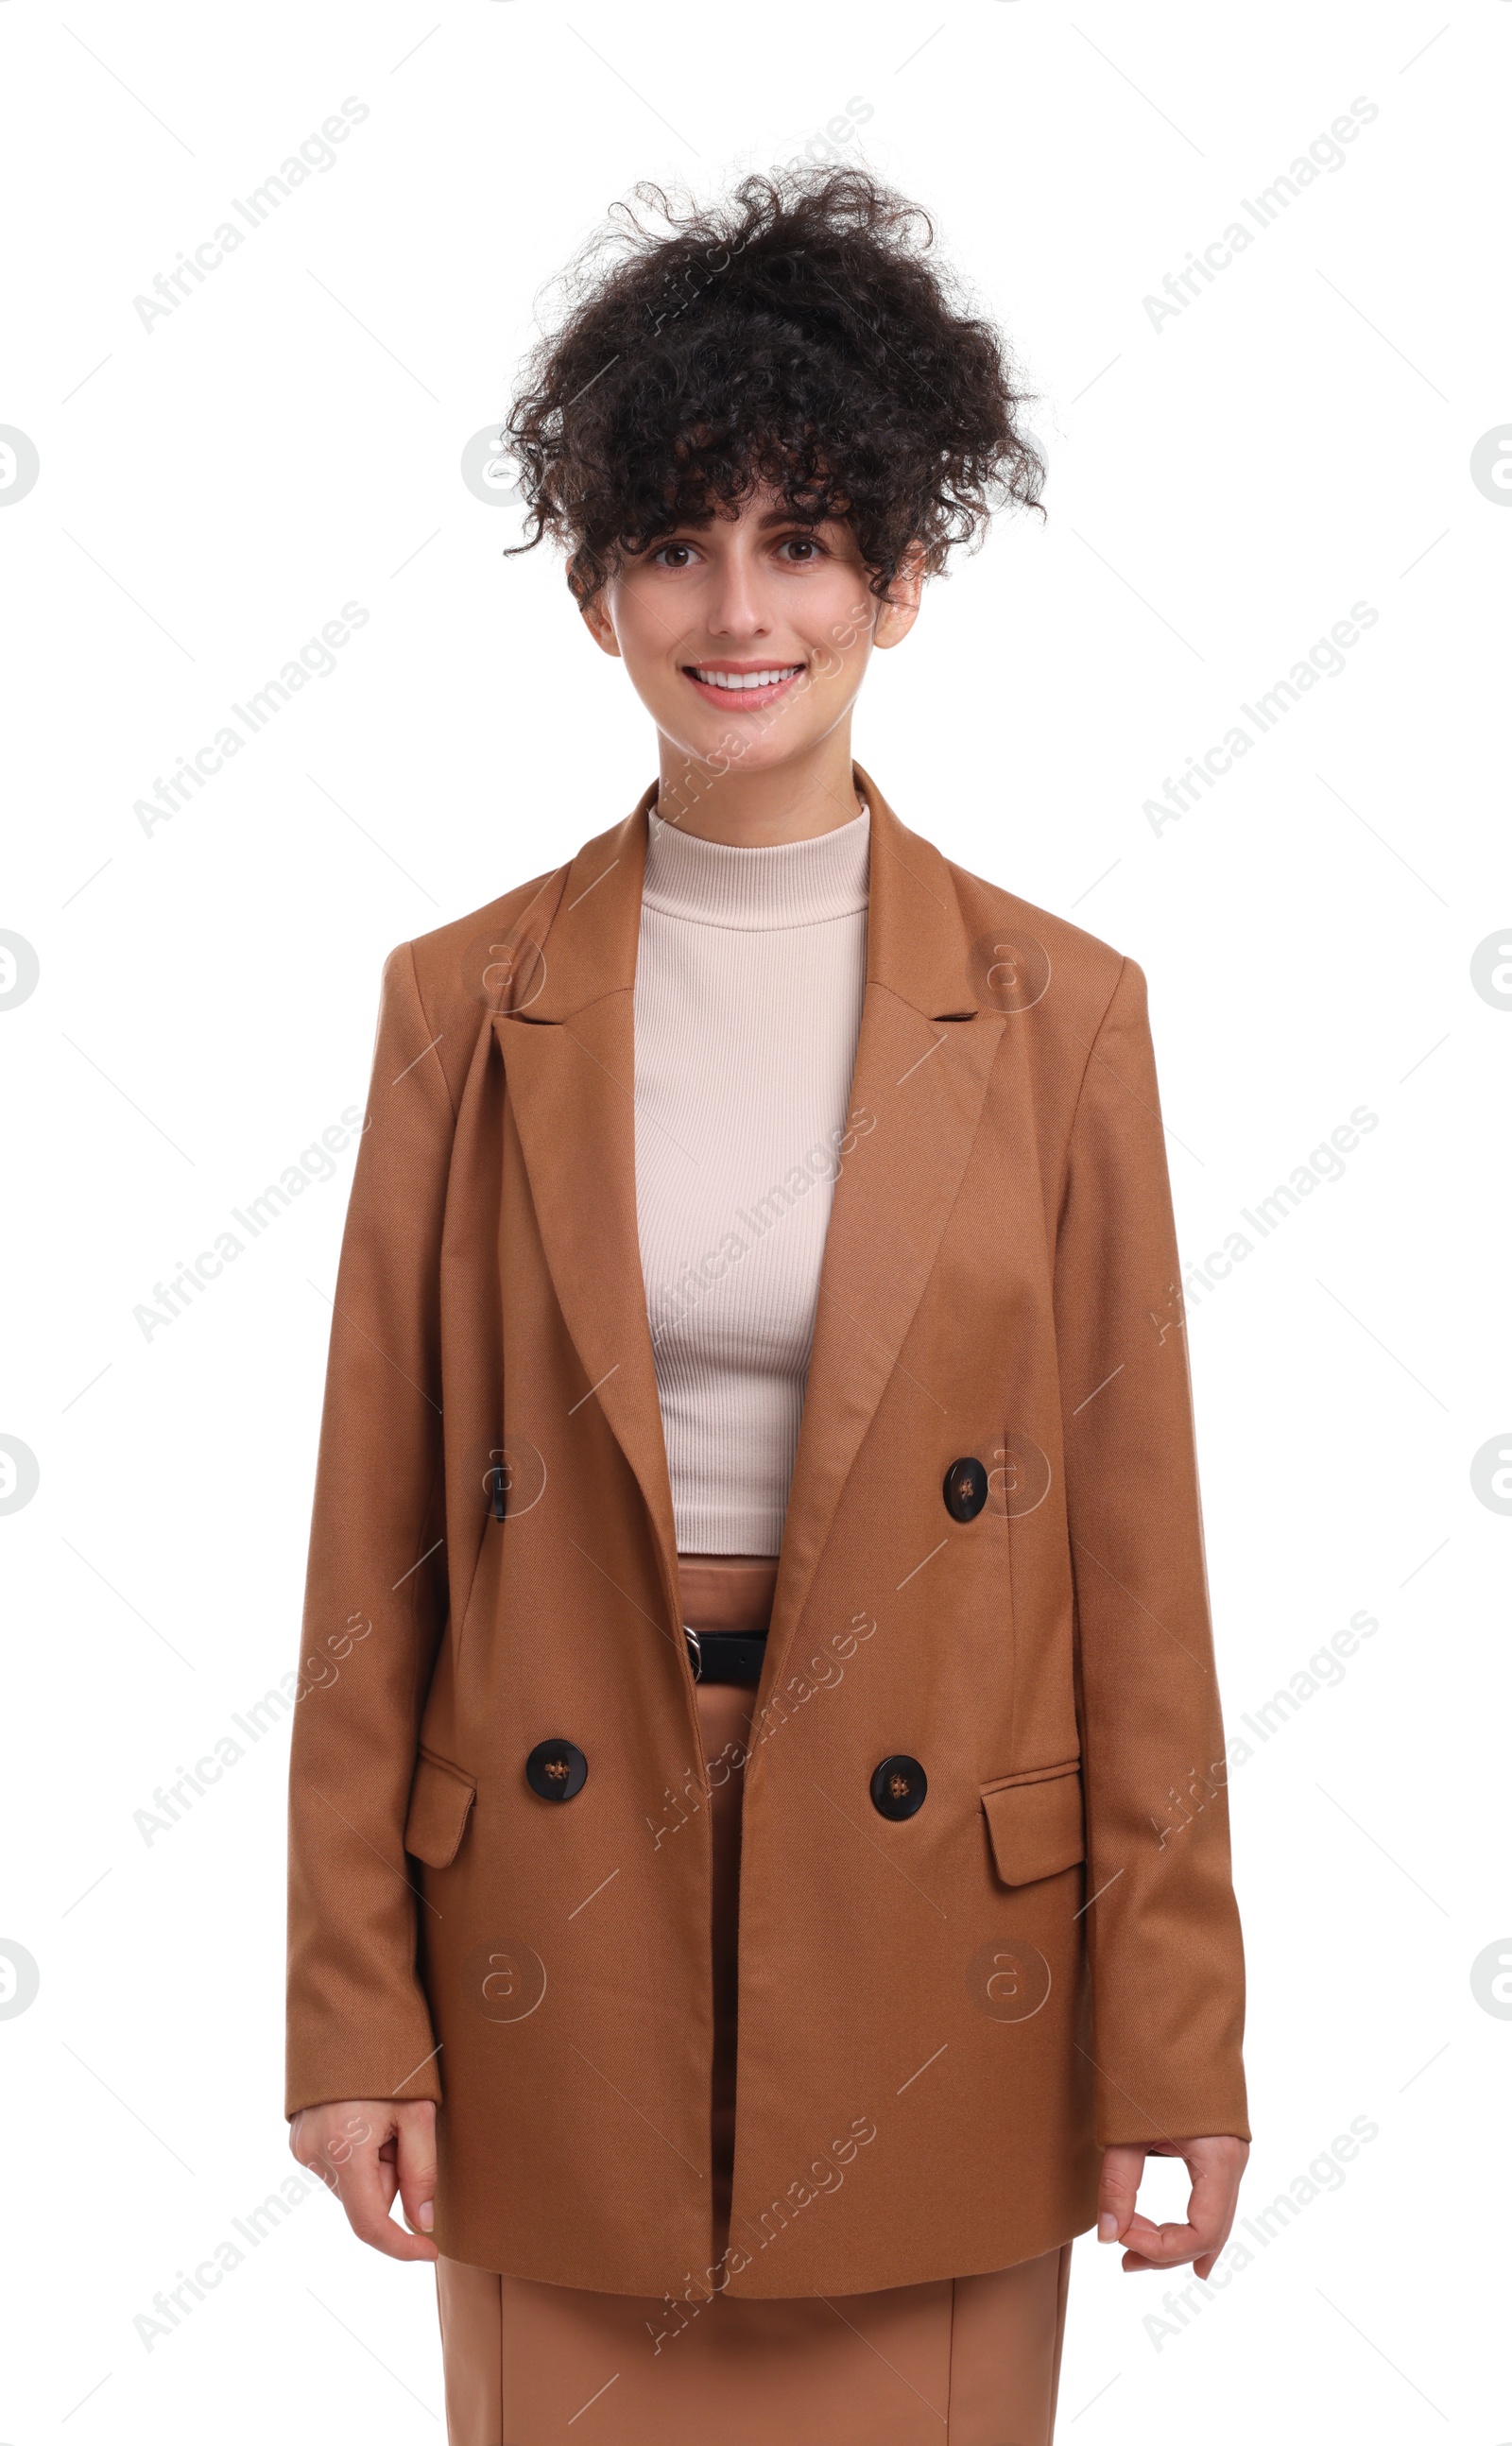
(1212, 2204)
(1119, 2188)
(416, 2166)
(366, 2198)
(1158, 2246)
(1204, 2263)
(1167, 2246)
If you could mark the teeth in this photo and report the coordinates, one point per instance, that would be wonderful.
(745, 679)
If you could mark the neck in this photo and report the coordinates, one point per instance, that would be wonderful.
(805, 794)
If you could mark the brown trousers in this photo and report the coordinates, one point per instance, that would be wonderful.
(968, 2360)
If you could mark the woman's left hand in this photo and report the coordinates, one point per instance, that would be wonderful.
(1216, 2167)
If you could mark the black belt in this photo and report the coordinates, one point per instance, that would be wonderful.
(726, 1655)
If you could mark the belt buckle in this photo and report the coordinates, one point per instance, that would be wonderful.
(695, 1651)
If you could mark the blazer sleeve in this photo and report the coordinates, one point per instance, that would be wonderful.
(375, 1601)
(1166, 1961)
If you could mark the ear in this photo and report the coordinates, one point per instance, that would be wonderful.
(598, 621)
(900, 607)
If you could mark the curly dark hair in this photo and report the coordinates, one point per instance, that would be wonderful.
(798, 335)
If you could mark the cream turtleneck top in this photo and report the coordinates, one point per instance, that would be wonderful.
(748, 983)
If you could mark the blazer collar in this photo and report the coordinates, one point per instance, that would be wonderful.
(916, 1100)
(916, 946)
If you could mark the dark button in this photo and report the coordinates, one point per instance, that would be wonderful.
(966, 1489)
(898, 1787)
(556, 1769)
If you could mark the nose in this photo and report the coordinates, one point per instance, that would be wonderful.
(735, 609)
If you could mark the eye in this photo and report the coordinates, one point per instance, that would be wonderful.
(805, 550)
(672, 555)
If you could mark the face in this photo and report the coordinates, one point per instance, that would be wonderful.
(747, 638)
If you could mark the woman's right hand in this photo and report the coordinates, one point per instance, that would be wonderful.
(365, 2150)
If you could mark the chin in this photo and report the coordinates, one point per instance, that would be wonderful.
(741, 754)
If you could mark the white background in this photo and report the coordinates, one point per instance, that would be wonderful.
(1222, 489)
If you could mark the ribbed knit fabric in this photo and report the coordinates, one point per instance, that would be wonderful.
(748, 991)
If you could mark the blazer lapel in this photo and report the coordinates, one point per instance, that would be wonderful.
(570, 1062)
(924, 1056)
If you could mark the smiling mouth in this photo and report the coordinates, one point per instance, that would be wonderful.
(747, 686)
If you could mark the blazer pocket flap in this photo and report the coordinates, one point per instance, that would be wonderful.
(439, 1799)
(1035, 1824)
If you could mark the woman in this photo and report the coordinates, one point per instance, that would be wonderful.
(756, 1628)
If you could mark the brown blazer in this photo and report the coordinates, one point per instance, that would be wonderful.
(942, 2017)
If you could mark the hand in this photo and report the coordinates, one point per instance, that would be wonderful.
(1215, 2166)
(364, 2150)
